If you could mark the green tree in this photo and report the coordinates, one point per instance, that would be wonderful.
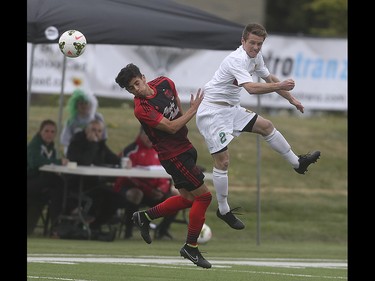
(331, 17)
(323, 18)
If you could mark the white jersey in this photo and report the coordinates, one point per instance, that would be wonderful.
(236, 69)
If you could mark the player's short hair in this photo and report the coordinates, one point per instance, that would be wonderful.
(47, 122)
(254, 28)
(126, 74)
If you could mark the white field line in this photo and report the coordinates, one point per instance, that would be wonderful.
(295, 263)
(55, 278)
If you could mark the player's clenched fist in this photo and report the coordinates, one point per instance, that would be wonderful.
(287, 84)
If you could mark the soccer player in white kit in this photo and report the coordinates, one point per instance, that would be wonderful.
(220, 117)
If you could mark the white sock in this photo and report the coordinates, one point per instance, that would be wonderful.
(277, 141)
(220, 181)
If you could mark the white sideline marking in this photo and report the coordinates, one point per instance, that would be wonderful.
(173, 262)
(295, 263)
(56, 278)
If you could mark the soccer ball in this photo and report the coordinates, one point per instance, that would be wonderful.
(72, 43)
(205, 234)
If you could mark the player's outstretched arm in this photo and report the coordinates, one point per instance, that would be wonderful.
(285, 93)
(172, 126)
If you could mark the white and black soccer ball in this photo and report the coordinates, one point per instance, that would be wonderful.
(205, 235)
(72, 43)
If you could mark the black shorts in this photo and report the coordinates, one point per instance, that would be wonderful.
(184, 171)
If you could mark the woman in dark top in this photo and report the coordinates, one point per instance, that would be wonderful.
(43, 187)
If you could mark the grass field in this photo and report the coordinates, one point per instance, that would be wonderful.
(302, 219)
(231, 260)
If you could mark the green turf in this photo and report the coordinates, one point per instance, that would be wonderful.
(215, 251)
(301, 216)
(293, 207)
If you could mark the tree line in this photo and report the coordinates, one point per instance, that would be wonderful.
(322, 18)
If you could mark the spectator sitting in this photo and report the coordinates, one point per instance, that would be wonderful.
(144, 191)
(43, 187)
(82, 109)
(88, 147)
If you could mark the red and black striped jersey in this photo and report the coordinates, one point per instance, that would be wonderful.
(150, 111)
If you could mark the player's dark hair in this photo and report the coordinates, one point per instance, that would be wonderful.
(254, 28)
(126, 74)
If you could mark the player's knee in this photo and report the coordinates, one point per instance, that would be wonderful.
(222, 163)
(225, 165)
(263, 127)
(269, 128)
(206, 197)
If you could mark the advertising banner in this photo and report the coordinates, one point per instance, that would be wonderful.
(318, 66)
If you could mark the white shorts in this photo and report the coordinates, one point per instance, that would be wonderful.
(219, 124)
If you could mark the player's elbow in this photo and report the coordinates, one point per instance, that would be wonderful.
(169, 128)
(251, 91)
(250, 88)
(172, 130)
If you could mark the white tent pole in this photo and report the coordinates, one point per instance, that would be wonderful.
(61, 105)
(30, 83)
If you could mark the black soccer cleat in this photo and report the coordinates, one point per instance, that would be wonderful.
(141, 221)
(305, 160)
(231, 219)
(193, 254)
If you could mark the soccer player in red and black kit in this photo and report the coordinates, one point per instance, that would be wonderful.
(158, 109)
